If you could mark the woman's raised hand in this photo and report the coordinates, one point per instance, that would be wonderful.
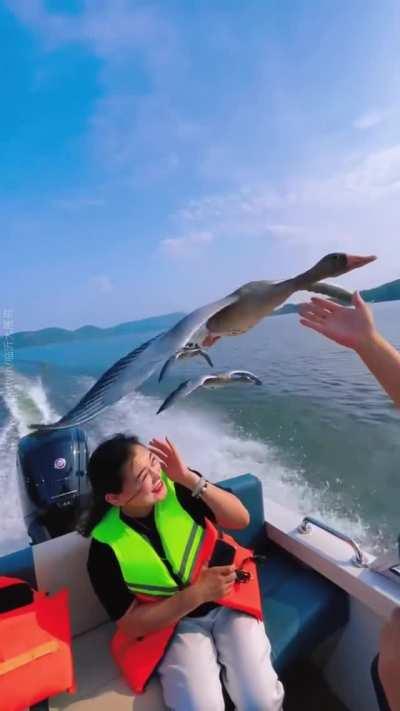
(350, 327)
(171, 460)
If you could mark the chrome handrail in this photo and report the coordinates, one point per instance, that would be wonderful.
(359, 559)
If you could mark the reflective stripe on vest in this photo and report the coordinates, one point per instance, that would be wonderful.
(142, 568)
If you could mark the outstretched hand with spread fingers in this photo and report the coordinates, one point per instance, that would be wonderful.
(350, 327)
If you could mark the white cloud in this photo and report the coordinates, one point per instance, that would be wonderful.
(286, 230)
(378, 173)
(101, 283)
(373, 177)
(370, 119)
(137, 133)
(144, 137)
(356, 209)
(160, 132)
(110, 28)
(187, 245)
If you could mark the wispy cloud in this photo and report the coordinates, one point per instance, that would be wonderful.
(129, 131)
(373, 177)
(101, 283)
(222, 115)
(370, 119)
(286, 231)
(377, 174)
(141, 137)
(110, 29)
(357, 209)
(187, 245)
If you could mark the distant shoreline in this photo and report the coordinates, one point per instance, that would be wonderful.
(46, 336)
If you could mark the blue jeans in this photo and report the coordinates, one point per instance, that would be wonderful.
(223, 642)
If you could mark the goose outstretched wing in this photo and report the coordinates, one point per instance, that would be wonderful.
(133, 369)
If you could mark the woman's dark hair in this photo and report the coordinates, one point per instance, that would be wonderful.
(105, 475)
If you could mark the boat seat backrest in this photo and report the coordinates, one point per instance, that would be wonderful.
(248, 489)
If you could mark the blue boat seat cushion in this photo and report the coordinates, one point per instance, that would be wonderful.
(301, 607)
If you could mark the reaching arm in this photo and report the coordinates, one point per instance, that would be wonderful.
(355, 329)
(383, 360)
(227, 508)
(389, 659)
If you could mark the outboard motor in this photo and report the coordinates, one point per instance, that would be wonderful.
(53, 482)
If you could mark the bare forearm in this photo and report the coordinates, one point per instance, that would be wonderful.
(227, 508)
(383, 360)
(145, 618)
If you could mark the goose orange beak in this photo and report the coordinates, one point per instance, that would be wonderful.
(354, 262)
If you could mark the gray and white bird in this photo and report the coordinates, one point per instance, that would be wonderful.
(210, 381)
(189, 351)
(231, 316)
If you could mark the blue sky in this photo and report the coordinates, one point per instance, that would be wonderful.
(157, 155)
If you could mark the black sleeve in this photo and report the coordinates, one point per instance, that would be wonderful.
(197, 508)
(107, 581)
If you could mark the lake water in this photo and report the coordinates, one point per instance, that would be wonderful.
(320, 433)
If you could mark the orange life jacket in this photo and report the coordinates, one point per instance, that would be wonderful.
(138, 658)
(35, 649)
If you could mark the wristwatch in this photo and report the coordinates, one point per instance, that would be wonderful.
(200, 488)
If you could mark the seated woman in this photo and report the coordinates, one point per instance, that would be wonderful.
(154, 541)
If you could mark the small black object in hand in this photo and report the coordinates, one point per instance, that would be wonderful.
(242, 576)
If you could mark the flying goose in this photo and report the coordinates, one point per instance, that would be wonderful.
(233, 315)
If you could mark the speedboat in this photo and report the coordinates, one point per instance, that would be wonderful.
(324, 598)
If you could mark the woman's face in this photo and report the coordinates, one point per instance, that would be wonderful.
(142, 483)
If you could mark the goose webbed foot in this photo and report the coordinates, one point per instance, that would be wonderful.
(189, 351)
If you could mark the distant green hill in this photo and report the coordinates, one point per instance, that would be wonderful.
(385, 292)
(46, 336)
(286, 309)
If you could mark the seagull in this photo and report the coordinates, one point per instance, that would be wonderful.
(230, 316)
(189, 351)
(209, 381)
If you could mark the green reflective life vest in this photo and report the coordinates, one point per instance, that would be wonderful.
(142, 568)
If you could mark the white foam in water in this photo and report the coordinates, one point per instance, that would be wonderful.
(214, 447)
(209, 444)
(26, 401)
